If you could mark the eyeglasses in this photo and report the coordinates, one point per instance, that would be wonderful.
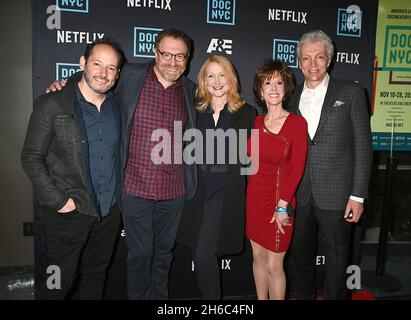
(179, 57)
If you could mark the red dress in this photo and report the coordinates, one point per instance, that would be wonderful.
(281, 160)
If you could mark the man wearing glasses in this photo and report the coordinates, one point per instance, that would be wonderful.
(153, 96)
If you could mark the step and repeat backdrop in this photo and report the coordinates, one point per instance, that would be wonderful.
(247, 32)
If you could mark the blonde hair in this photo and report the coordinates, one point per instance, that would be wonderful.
(234, 99)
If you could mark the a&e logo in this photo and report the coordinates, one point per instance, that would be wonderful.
(72, 5)
(349, 21)
(144, 41)
(220, 45)
(286, 51)
(221, 12)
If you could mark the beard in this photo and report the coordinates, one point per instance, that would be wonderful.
(98, 84)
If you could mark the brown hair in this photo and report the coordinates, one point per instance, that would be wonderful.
(109, 42)
(177, 34)
(234, 99)
(269, 69)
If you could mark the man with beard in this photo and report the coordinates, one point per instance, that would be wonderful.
(154, 95)
(71, 154)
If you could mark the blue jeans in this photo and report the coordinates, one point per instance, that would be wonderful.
(150, 229)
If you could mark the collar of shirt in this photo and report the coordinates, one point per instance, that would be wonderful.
(153, 77)
(211, 111)
(80, 97)
(311, 103)
(320, 89)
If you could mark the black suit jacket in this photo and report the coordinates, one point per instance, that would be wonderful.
(340, 154)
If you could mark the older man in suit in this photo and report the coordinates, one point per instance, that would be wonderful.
(335, 183)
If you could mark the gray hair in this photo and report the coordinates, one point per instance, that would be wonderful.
(317, 35)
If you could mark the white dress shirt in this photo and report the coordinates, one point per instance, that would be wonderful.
(311, 103)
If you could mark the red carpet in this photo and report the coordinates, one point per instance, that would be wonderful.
(360, 295)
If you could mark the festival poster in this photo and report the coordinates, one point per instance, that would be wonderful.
(391, 105)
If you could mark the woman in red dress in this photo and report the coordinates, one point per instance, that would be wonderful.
(281, 160)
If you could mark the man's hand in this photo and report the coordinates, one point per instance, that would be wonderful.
(356, 208)
(68, 207)
(56, 86)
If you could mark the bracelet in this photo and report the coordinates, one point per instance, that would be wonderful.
(280, 210)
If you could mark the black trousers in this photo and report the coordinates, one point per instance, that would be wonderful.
(151, 228)
(302, 254)
(205, 252)
(75, 239)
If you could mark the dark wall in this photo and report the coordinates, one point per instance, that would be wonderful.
(15, 108)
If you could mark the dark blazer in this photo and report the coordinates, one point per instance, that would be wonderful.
(55, 152)
(231, 238)
(127, 93)
(340, 154)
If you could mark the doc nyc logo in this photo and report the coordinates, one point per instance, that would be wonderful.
(144, 41)
(220, 45)
(72, 5)
(286, 51)
(65, 70)
(349, 21)
(397, 54)
(221, 12)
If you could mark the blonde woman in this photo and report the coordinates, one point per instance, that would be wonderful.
(213, 222)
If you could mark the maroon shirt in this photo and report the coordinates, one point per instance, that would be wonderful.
(157, 108)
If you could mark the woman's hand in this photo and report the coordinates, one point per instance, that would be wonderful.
(281, 218)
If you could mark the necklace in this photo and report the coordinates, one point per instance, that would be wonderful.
(282, 115)
(265, 127)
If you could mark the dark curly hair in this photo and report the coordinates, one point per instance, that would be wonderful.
(107, 41)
